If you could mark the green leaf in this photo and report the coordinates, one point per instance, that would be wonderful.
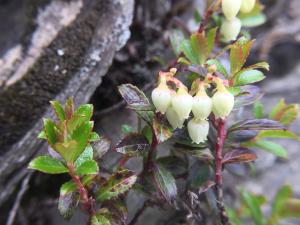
(199, 47)
(94, 137)
(187, 50)
(42, 135)
(162, 130)
(69, 108)
(280, 199)
(233, 217)
(47, 164)
(100, 220)
(197, 16)
(176, 38)
(81, 135)
(248, 77)
(254, 21)
(268, 146)
(87, 167)
(278, 134)
(49, 128)
(253, 205)
(59, 110)
(258, 110)
(82, 115)
(284, 113)
(87, 155)
(291, 209)
(165, 182)
(211, 36)
(67, 187)
(220, 67)
(116, 185)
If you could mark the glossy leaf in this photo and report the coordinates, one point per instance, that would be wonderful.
(260, 65)
(94, 137)
(59, 110)
(101, 147)
(165, 182)
(82, 115)
(47, 164)
(187, 50)
(133, 144)
(116, 185)
(254, 21)
(200, 48)
(256, 124)
(134, 97)
(49, 128)
(248, 77)
(211, 36)
(87, 155)
(69, 108)
(241, 155)
(268, 146)
(87, 168)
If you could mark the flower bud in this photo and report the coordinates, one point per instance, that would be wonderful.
(202, 105)
(223, 101)
(230, 29)
(231, 8)
(182, 103)
(247, 6)
(161, 97)
(198, 130)
(173, 118)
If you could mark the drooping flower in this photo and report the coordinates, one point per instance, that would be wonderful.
(202, 105)
(173, 118)
(198, 130)
(161, 96)
(230, 29)
(231, 8)
(182, 103)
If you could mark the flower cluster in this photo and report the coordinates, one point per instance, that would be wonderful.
(231, 26)
(178, 104)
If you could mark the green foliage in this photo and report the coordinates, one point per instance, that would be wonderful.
(47, 164)
(88, 167)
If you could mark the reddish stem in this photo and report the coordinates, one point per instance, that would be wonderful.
(87, 202)
(218, 171)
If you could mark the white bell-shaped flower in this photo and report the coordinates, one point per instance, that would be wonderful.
(161, 97)
(247, 6)
(182, 103)
(231, 8)
(174, 119)
(202, 105)
(223, 101)
(198, 130)
(230, 29)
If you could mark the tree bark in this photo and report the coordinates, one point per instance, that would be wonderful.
(70, 48)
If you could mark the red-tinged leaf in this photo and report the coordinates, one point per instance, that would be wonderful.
(284, 113)
(207, 185)
(239, 53)
(165, 183)
(69, 108)
(59, 110)
(49, 128)
(291, 209)
(135, 98)
(132, 145)
(242, 155)
(256, 124)
(116, 185)
(248, 95)
(211, 36)
(162, 129)
(260, 65)
(200, 47)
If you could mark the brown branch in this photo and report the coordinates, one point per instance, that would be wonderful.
(218, 171)
(87, 203)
